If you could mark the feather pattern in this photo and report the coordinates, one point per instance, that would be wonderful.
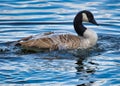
(52, 41)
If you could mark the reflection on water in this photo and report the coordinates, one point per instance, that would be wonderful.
(98, 66)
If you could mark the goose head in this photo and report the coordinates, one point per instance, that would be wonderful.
(83, 16)
(87, 16)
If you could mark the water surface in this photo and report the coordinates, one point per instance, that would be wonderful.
(98, 66)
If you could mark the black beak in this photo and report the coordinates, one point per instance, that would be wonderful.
(94, 22)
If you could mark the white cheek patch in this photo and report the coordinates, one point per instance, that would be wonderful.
(84, 17)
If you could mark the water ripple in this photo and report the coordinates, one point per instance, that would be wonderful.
(98, 66)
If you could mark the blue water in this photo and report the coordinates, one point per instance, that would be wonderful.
(99, 66)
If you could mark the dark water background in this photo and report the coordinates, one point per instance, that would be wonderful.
(99, 66)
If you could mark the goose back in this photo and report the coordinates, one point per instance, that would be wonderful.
(52, 41)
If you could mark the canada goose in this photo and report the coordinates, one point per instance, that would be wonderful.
(85, 38)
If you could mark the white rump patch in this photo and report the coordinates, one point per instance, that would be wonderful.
(84, 17)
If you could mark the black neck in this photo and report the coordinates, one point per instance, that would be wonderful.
(78, 26)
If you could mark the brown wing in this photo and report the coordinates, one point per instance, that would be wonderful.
(61, 41)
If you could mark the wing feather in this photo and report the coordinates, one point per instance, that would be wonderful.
(60, 41)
